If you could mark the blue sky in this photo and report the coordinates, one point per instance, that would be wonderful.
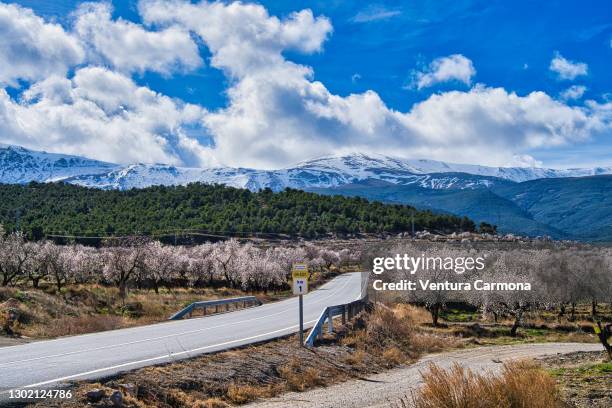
(392, 56)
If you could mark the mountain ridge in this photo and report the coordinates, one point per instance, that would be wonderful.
(21, 165)
(526, 201)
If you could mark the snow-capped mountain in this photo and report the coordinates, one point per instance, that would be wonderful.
(389, 168)
(20, 165)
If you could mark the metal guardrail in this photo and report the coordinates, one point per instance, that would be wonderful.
(204, 305)
(347, 311)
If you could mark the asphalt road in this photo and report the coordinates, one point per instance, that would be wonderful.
(46, 364)
(387, 388)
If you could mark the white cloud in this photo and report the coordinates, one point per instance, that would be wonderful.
(567, 69)
(277, 113)
(31, 49)
(573, 92)
(128, 47)
(374, 13)
(102, 114)
(455, 67)
(243, 38)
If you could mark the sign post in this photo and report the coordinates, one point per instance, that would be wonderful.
(299, 273)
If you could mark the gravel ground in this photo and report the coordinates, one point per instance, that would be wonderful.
(383, 390)
(582, 384)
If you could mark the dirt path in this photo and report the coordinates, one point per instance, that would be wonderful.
(382, 390)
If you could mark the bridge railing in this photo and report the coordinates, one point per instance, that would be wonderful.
(218, 304)
(347, 311)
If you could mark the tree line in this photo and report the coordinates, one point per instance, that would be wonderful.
(560, 278)
(57, 208)
(143, 263)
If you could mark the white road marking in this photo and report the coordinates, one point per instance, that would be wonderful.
(148, 360)
(168, 336)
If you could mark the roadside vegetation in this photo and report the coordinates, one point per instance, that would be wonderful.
(49, 290)
(376, 340)
(371, 342)
(570, 286)
(522, 384)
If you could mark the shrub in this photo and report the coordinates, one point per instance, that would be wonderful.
(385, 325)
(522, 384)
(241, 394)
(356, 358)
(300, 380)
(393, 356)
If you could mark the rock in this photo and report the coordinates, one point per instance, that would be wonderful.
(117, 399)
(95, 395)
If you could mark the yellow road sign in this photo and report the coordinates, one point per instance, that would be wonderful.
(299, 271)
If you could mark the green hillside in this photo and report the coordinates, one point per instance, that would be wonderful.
(580, 207)
(479, 205)
(569, 208)
(58, 208)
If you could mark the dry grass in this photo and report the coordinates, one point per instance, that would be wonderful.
(299, 379)
(244, 393)
(418, 315)
(393, 356)
(70, 326)
(387, 326)
(421, 343)
(379, 330)
(394, 336)
(79, 309)
(522, 384)
(214, 403)
(356, 359)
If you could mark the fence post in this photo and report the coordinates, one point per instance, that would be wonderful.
(330, 321)
(343, 314)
